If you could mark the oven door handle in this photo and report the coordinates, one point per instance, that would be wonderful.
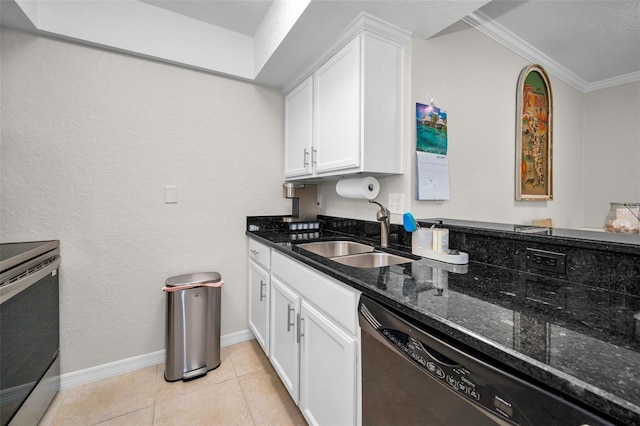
(7, 291)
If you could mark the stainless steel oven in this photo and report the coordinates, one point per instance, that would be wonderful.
(411, 376)
(29, 330)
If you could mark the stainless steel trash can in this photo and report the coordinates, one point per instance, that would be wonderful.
(193, 325)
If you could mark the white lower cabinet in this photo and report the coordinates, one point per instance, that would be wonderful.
(314, 342)
(327, 370)
(259, 289)
(285, 316)
(259, 284)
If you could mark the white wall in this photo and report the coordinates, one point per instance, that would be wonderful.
(474, 78)
(611, 150)
(89, 139)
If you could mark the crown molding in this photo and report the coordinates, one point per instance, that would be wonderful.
(487, 26)
(612, 82)
(363, 22)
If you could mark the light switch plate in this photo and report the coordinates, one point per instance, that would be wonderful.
(170, 194)
(396, 203)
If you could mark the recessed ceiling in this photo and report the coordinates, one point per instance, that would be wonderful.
(588, 44)
(242, 16)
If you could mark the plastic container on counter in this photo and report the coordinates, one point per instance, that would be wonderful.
(623, 218)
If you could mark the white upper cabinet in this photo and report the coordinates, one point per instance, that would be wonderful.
(346, 117)
(336, 111)
(298, 129)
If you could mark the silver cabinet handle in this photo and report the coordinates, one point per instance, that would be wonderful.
(289, 323)
(306, 158)
(314, 155)
(255, 252)
(263, 295)
(300, 333)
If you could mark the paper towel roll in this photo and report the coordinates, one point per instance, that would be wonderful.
(364, 188)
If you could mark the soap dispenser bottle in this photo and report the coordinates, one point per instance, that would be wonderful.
(440, 238)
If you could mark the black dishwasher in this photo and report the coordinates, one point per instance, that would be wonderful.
(411, 377)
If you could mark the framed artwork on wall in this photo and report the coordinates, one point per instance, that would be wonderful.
(534, 136)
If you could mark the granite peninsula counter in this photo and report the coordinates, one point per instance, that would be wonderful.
(581, 340)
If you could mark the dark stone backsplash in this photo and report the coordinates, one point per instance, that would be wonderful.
(588, 262)
(610, 265)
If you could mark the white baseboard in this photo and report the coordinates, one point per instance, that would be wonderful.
(238, 337)
(104, 371)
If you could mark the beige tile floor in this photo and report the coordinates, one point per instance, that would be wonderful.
(244, 390)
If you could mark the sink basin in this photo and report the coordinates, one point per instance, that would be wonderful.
(372, 260)
(336, 248)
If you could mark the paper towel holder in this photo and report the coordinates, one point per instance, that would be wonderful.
(366, 187)
(304, 198)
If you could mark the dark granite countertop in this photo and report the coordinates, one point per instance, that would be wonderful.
(579, 340)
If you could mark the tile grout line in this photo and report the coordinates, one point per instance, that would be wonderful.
(155, 394)
(244, 397)
(125, 413)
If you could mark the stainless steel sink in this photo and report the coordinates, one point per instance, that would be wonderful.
(353, 254)
(372, 260)
(336, 248)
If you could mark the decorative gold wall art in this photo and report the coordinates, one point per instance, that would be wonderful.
(534, 136)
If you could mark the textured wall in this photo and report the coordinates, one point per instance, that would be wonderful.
(89, 139)
(612, 150)
(474, 78)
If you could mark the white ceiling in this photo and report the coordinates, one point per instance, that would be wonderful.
(242, 16)
(589, 44)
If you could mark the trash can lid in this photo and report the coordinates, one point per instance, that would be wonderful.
(195, 278)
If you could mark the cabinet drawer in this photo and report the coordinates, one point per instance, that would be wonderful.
(336, 299)
(260, 253)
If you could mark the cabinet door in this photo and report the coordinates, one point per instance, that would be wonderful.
(259, 285)
(298, 129)
(327, 371)
(284, 351)
(336, 105)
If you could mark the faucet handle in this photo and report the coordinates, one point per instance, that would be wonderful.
(383, 210)
(383, 216)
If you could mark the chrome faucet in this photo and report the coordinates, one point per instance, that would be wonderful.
(383, 216)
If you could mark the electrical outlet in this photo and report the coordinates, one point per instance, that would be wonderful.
(396, 203)
(546, 260)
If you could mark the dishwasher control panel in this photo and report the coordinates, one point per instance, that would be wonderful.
(503, 397)
(456, 377)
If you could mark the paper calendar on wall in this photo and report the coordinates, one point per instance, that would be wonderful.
(432, 176)
(432, 167)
